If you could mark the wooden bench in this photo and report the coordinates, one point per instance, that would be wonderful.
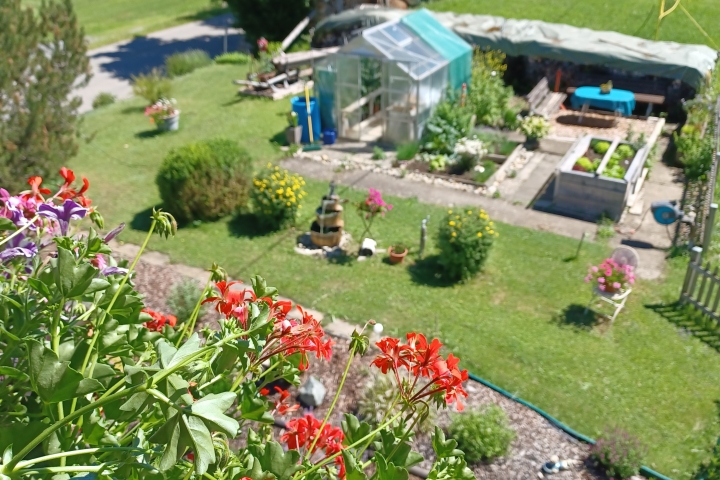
(544, 102)
(639, 97)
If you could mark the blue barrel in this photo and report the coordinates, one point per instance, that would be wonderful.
(298, 106)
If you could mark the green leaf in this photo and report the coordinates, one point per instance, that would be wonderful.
(354, 429)
(227, 359)
(54, 380)
(6, 224)
(388, 471)
(252, 407)
(359, 343)
(169, 357)
(197, 436)
(278, 462)
(212, 408)
(402, 454)
(97, 285)
(261, 289)
(14, 373)
(136, 404)
(352, 469)
(40, 287)
(169, 435)
(444, 448)
(104, 374)
(72, 279)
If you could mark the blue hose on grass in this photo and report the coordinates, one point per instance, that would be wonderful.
(643, 470)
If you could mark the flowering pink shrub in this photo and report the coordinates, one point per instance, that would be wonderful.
(611, 276)
(371, 207)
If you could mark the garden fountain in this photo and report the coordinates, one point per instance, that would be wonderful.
(327, 229)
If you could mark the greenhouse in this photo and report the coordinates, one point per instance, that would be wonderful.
(385, 83)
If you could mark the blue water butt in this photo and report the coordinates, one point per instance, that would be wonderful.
(298, 106)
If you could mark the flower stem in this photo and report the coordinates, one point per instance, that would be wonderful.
(332, 457)
(101, 319)
(19, 230)
(332, 405)
(12, 464)
(193, 318)
(85, 451)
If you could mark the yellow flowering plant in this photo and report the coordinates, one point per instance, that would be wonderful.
(276, 197)
(465, 238)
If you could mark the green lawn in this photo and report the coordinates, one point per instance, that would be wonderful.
(108, 21)
(633, 17)
(520, 324)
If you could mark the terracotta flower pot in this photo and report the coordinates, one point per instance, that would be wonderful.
(396, 257)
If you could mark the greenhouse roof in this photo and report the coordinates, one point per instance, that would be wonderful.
(418, 42)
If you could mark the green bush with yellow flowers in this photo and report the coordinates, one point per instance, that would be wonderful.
(465, 238)
(276, 197)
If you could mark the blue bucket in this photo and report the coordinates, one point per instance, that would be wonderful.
(298, 106)
(329, 136)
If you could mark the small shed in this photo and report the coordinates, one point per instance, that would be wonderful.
(385, 83)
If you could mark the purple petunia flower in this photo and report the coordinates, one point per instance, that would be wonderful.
(114, 233)
(18, 246)
(69, 210)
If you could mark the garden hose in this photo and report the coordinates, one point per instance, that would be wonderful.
(646, 471)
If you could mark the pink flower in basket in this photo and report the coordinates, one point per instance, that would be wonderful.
(161, 110)
(610, 276)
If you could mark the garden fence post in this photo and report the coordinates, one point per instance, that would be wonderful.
(423, 236)
(709, 226)
(691, 275)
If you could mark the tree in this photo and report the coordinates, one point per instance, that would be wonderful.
(42, 58)
(272, 19)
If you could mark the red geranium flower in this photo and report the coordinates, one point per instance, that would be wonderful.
(36, 190)
(159, 320)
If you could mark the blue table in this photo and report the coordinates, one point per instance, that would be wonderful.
(622, 101)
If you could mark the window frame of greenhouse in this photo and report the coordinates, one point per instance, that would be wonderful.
(413, 74)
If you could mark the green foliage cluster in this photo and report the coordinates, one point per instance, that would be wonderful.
(152, 86)
(271, 19)
(205, 180)
(182, 299)
(587, 165)
(625, 151)
(465, 238)
(233, 58)
(695, 151)
(488, 97)
(449, 123)
(103, 99)
(619, 452)
(182, 63)
(488, 169)
(600, 147)
(277, 197)
(378, 153)
(482, 434)
(42, 53)
(380, 392)
(407, 151)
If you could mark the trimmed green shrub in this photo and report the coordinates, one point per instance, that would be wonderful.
(619, 452)
(482, 434)
(234, 58)
(407, 151)
(276, 197)
(182, 299)
(465, 238)
(103, 99)
(378, 153)
(379, 394)
(182, 63)
(152, 86)
(205, 180)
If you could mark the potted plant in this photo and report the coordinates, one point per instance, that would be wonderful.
(370, 208)
(534, 128)
(164, 114)
(397, 253)
(293, 133)
(606, 87)
(610, 277)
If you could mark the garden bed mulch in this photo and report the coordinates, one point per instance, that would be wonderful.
(536, 439)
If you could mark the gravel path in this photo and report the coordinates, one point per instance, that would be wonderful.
(536, 440)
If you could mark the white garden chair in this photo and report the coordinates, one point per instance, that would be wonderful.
(623, 255)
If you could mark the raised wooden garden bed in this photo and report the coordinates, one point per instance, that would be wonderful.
(492, 162)
(587, 188)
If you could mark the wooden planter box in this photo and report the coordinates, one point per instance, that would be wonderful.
(590, 195)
